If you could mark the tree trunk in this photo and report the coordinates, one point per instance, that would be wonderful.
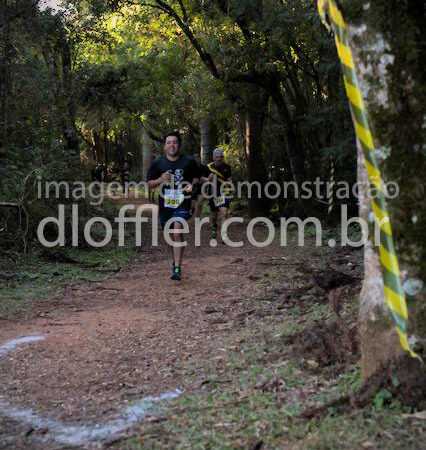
(390, 61)
(67, 90)
(256, 102)
(134, 142)
(208, 134)
(5, 69)
(147, 153)
(295, 151)
(99, 147)
(106, 143)
(189, 143)
(57, 55)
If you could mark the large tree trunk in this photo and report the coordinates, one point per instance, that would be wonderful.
(57, 54)
(294, 147)
(390, 59)
(208, 133)
(255, 103)
(67, 91)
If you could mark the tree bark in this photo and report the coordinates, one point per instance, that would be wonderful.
(106, 143)
(256, 102)
(67, 81)
(99, 147)
(146, 153)
(208, 133)
(57, 55)
(295, 150)
(390, 62)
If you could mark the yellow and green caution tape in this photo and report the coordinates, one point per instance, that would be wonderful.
(394, 293)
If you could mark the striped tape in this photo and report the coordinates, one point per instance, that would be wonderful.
(394, 293)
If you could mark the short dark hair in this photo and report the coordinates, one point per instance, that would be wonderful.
(173, 133)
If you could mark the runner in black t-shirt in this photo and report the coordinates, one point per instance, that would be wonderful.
(174, 173)
(197, 196)
(219, 201)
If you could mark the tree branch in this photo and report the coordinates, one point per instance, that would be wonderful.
(206, 58)
(184, 14)
(9, 205)
(242, 24)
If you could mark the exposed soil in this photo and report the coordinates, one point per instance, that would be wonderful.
(112, 342)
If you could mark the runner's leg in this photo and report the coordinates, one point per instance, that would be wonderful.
(177, 251)
(213, 222)
(198, 204)
(224, 212)
(177, 225)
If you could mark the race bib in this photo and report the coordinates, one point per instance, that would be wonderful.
(173, 198)
(219, 201)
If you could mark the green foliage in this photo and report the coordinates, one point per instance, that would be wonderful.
(381, 398)
(26, 279)
(85, 84)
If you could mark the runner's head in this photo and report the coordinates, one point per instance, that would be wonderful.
(171, 144)
(218, 156)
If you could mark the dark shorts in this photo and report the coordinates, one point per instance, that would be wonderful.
(166, 215)
(215, 208)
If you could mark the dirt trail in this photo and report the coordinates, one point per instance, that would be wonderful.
(113, 342)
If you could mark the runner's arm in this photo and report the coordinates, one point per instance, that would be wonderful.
(155, 177)
(163, 178)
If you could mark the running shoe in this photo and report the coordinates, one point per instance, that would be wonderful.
(176, 275)
(213, 231)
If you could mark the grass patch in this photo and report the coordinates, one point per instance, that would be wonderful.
(253, 393)
(26, 278)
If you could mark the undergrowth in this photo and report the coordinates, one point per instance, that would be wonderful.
(253, 391)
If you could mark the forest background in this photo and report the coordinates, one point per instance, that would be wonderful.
(102, 81)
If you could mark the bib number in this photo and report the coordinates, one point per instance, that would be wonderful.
(219, 201)
(173, 198)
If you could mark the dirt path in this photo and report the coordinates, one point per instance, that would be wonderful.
(112, 343)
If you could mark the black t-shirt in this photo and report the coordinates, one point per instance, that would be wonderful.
(225, 174)
(224, 170)
(203, 171)
(184, 169)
